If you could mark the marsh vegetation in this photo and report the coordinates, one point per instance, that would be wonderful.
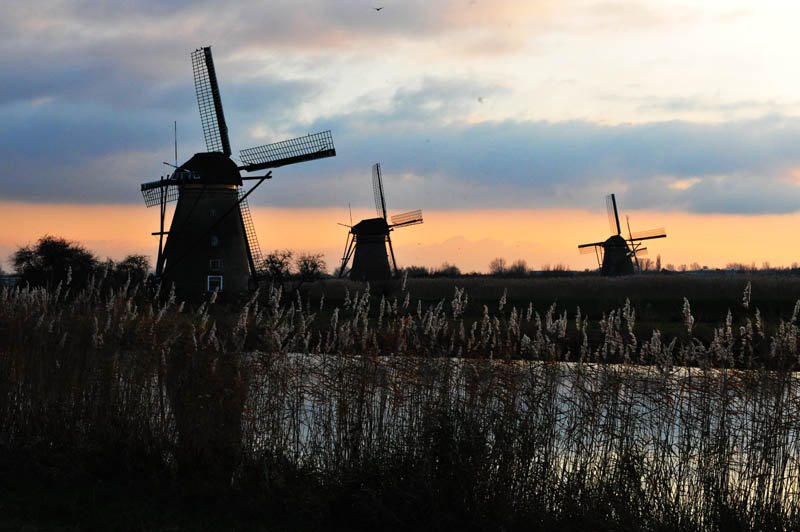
(382, 410)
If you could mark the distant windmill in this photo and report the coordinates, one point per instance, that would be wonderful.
(211, 243)
(616, 255)
(367, 240)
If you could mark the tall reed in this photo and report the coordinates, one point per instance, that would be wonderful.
(395, 415)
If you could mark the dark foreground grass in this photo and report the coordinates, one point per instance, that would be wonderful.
(121, 410)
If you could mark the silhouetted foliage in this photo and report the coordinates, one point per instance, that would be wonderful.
(518, 268)
(54, 260)
(278, 265)
(310, 266)
(497, 266)
(446, 270)
(416, 271)
(133, 267)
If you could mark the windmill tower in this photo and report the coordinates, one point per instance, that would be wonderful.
(616, 255)
(367, 240)
(211, 243)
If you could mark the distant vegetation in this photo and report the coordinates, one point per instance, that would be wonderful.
(284, 265)
(54, 260)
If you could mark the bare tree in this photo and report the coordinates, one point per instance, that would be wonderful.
(310, 266)
(278, 265)
(497, 266)
(518, 268)
(447, 270)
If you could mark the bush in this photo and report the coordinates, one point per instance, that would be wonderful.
(54, 260)
(518, 269)
(278, 264)
(497, 266)
(310, 266)
(416, 271)
(446, 270)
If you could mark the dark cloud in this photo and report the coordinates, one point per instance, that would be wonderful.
(731, 167)
(89, 96)
(430, 160)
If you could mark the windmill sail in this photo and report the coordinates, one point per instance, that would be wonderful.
(256, 258)
(306, 148)
(613, 215)
(407, 218)
(649, 234)
(208, 100)
(155, 192)
(588, 249)
(377, 189)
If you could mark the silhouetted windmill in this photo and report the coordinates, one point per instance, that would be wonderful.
(211, 243)
(367, 240)
(615, 255)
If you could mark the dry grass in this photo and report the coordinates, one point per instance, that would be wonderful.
(398, 415)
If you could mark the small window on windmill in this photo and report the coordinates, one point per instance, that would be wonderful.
(214, 241)
(214, 283)
(215, 265)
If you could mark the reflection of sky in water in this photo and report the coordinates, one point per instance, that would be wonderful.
(739, 429)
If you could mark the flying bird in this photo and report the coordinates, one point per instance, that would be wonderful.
(377, 8)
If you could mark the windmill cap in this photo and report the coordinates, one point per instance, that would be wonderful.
(214, 168)
(615, 241)
(371, 226)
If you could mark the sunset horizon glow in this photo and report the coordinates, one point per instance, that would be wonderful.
(469, 239)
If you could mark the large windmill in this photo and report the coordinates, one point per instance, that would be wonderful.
(616, 255)
(211, 243)
(367, 240)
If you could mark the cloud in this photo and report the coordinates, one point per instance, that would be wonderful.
(431, 160)
(91, 90)
(738, 167)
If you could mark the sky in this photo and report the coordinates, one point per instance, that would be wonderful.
(506, 121)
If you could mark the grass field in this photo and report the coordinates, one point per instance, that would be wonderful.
(441, 405)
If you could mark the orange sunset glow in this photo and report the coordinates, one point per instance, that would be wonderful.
(468, 239)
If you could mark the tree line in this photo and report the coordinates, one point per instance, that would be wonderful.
(54, 260)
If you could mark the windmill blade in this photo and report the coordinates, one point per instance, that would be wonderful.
(613, 215)
(641, 252)
(407, 218)
(588, 249)
(292, 151)
(649, 234)
(208, 100)
(377, 189)
(391, 252)
(156, 191)
(591, 245)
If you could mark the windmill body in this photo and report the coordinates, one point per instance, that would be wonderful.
(617, 255)
(368, 240)
(211, 243)
(206, 249)
(370, 258)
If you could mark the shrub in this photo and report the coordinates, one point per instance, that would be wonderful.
(497, 266)
(54, 260)
(278, 264)
(310, 266)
